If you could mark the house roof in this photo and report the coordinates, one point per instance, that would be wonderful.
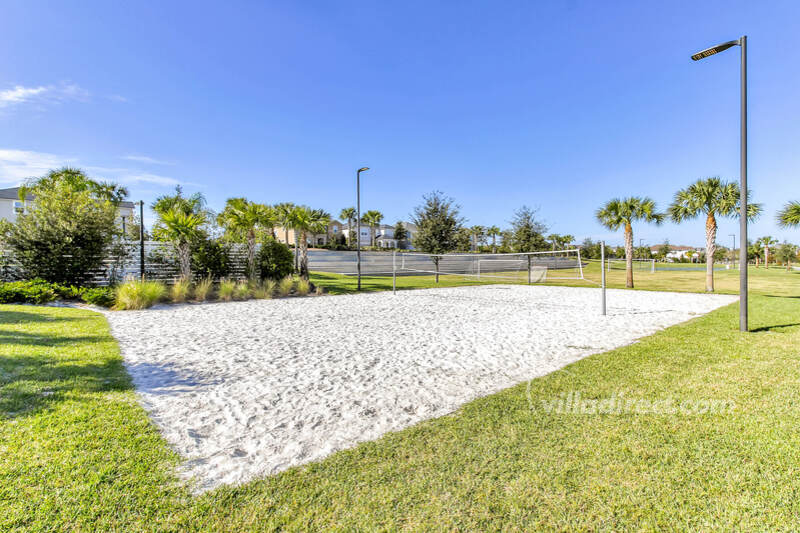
(12, 193)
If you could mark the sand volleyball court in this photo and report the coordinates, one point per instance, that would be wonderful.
(248, 389)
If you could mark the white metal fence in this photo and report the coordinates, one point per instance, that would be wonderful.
(160, 263)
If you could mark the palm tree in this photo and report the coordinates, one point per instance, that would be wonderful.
(623, 212)
(712, 197)
(181, 221)
(478, 234)
(77, 181)
(305, 220)
(494, 232)
(348, 214)
(373, 218)
(789, 216)
(766, 243)
(242, 220)
(181, 229)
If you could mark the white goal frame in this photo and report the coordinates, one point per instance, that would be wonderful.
(525, 260)
(651, 261)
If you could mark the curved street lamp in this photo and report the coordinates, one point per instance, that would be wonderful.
(742, 42)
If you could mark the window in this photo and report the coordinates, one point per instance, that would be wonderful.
(336, 229)
(19, 207)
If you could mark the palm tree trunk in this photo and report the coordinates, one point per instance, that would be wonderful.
(766, 257)
(628, 256)
(711, 247)
(251, 255)
(304, 255)
(494, 244)
(185, 260)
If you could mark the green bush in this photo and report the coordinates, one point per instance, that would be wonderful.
(39, 291)
(180, 290)
(275, 260)
(102, 296)
(302, 287)
(285, 286)
(35, 291)
(64, 235)
(242, 291)
(210, 259)
(203, 289)
(134, 294)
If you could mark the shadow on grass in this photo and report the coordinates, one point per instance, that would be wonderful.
(774, 328)
(17, 317)
(30, 383)
(31, 339)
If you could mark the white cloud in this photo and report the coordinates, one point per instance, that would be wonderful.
(150, 178)
(146, 159)
(18, 165)
(42, 94)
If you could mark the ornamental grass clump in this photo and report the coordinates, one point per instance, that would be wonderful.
(241, 291)
(226, 290)
(302, 287)
(179, 292)
(285, 286)
(136, 294)
(264, 290)
(202, 290)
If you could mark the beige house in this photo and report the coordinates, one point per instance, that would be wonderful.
(287, 236)
(11, 206)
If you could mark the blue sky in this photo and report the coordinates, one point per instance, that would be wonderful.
(557, 105)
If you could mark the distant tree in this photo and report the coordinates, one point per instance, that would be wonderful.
(786, 253)
(305, 221)
(711, 197)
(438, 222)
(242, 220)
(494, 232)
(590, 249)
(663, 251)
(283, 214)
(373, 219)
(348, 214)
(527, 231)
(477, 236)
(463, 240)
(766, 243)
(67, 231)
(181, 221)
(400, 234)
(789, 216)
(623, 213)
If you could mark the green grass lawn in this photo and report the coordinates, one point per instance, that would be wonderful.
(78, 453)
(762, 281)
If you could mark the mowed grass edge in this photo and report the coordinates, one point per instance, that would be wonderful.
(78, 453)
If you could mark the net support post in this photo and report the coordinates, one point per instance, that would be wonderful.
(394, 272)
(529, 270)
(602, 278)
(580, 263)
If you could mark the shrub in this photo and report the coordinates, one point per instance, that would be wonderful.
(275, 260)
(303, 287)
(202, 290)
(34, 291)
(211, 259)
(264, 290)
(226, 289)
(179, 291)
(285, 286)
(135, 294)
(65, 234)
(102, 296)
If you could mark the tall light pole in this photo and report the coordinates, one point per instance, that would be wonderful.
(741, 42)
(358, 222)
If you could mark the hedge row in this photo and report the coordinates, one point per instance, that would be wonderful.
(37, 291)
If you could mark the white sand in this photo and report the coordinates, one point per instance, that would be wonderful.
(248, 389)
